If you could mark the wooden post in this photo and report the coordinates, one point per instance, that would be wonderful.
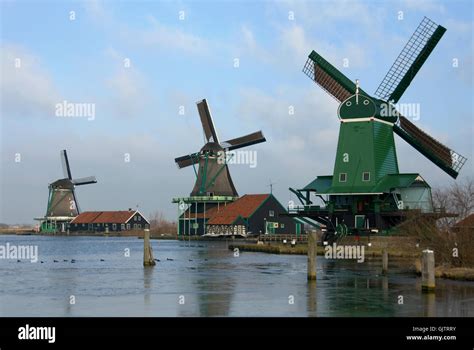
(312, 256)
(384, 261)
(148, 259)
(428, 271)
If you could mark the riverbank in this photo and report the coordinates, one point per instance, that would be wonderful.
(409, 258)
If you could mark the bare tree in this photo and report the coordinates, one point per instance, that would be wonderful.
(159, 224)
(452, 245)
(457, 198)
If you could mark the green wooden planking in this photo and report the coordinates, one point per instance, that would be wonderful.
(385, 155)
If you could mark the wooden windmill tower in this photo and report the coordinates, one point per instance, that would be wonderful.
(62, 200)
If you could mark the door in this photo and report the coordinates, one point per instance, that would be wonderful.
(359, 221)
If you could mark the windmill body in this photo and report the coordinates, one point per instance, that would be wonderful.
(367, 193)
(62, 201)
(213, 186)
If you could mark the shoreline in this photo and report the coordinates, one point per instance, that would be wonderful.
(406, 258)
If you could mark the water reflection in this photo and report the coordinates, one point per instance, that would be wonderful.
(147, 283)
(312, 299)
(213, 282)
(429, 304)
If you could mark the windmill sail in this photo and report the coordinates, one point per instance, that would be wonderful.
(244, 141)
(329, 78)
(212, 174)
(84, 181)
(206, 120)
(444, 157)
(187, 160)
(65, 164)
(408, 63)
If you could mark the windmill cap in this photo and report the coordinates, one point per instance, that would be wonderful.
(212, 146)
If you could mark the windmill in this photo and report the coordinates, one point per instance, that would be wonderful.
(62, 201)
(213, 177)
(214, 186)
(366, 191)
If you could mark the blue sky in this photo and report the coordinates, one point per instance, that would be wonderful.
(178, 62)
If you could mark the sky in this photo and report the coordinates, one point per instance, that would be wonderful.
(143, 65)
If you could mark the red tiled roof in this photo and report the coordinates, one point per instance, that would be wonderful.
(104, 217)
(86, 217)
(244, 207)
(468, 221)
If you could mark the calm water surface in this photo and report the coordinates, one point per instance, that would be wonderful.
(205, 279)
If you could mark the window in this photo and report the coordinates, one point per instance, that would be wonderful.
(128, 226)
(366, 176)
(271, 213)
(114, 226)
(342, 177)
(134, 218)
(122, 227)
(282, 225)
(139, 225)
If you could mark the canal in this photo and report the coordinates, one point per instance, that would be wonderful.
(104, 276)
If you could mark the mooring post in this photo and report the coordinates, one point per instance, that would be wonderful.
(384, 261)
(312, 256)
(148, 259)
(428, 271)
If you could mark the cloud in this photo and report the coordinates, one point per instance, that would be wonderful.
(160, 36)
(297, 46)
(250, 46)
(424, 6)
(127, 87)
(27, 90)
(312, 14)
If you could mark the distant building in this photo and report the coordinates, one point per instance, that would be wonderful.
(252, 214)
(109, 221)
(466, 224)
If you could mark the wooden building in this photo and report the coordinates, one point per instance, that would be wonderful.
(252, 214)
(109, 221)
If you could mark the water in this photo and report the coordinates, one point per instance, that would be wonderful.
(205, 279)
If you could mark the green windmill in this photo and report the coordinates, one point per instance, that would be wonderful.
(367, 193)
(213, 186)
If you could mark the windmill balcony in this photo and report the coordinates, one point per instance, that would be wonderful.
(305, 208)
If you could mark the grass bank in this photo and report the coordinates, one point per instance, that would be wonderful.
(409, 256)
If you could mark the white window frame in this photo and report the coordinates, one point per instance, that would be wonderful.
(368, 173)
(345, 177)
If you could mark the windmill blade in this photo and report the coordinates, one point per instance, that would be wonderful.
(76, 203)
(187, 160)
(329, 78)
(206, 121)
(65, 164)
(444, 157)
(84, 181)
(244, 141)
(411, 59)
